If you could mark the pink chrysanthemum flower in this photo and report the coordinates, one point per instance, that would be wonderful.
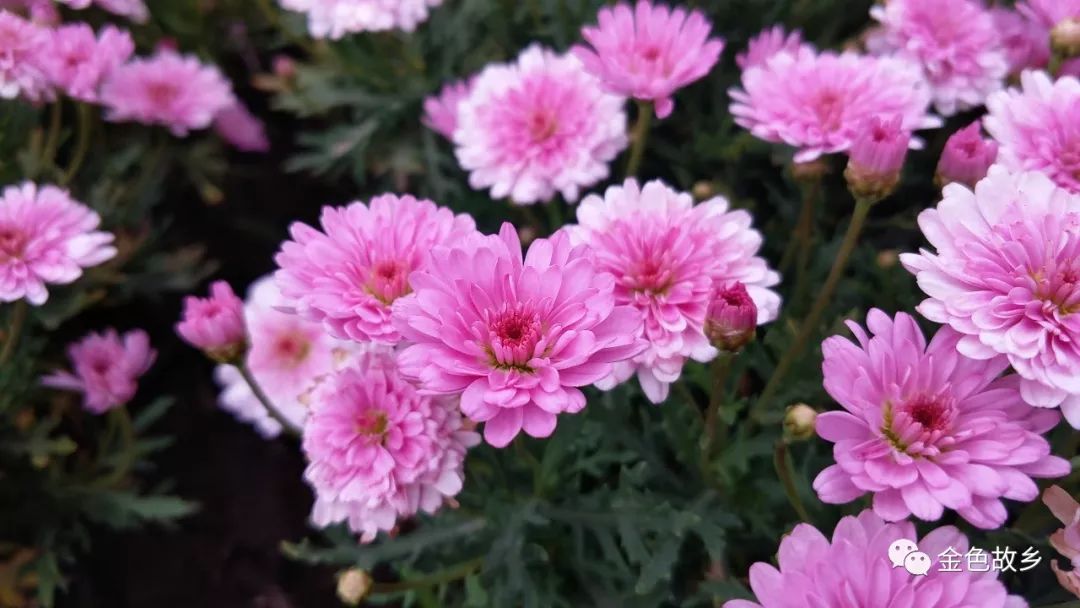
(1026, 42)
(379, 450)
(819, 102)
(169, 89)
(348, 275)
(853, 569)
(134, 10)
(241, 129)
(215, 324)
(967, 157)
(22, 46)
(1038, 127)
(538, 126)
(668, 257)
(1006, 275)
(769, 42)
(46, 237)
(1065, 540)
(955, 41)
(515, 336)
(106, 368)
(1050, 12)
(336, 18)
(649, 52)
(78, 62)
(441, 111)
(925, 428)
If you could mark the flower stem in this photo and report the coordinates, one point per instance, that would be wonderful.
(798, 247)
(720, 368)
(82, 145)
(447, 575)
(639, 137)
(782, 462)
(18, 320)
(121, 418)
(52, 137)
(257, 390)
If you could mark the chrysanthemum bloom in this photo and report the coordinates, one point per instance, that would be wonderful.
(106, 368)
(46, 238)
(1050, 12)
(1026, 42)
(819, 102)
(241, 129)
(967, 157)
(876, 158)
(378, 449)
(668, 257)
(215, 324)
(770, 42)
(348, 275)
(1065, 540)
(538, 126)
(78, 62)
(853, 569)
(336, 18)
(732, 318)
(168, 89)
(925, 428)
(22, 45)
(441, 111)
(515, 336)
(649, 52)
(1006, 275)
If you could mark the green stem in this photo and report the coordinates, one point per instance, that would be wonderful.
(782, 462)
(52, 139)
(447, 575)
(804, 227)
(639, 137)
(82, 145)
(720, 368)
(257, 390)
(120, 417)
(18, 320)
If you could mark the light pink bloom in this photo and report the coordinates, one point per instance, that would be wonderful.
(649, 52)
(732, 319)
(967, 157)
(134, 10)
(1050, 12)
(876, 157)
(819, 102)
(515, 336)
(441, 111)
(336, 18)
(379, 450)
(106, 368)
(769, 42)
(1026, 42)
(1065, 540)
(538, 126)
(46, 237)
(169, 89)
(78, 62)
(348, 275)
(215, 324)
(853, 569)
(1006, 275)
(22, 45)
(41, 12)
(668, 257)
(241, 129)
(925, 428)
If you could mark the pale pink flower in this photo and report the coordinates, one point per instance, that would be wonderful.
(769, 42)
(1065, 540)
(441, 110)
(78, 62)
(336, 18)
(1026, 42)
(648, 52)
(22, 46)
(41, 12)
(106, 368)
(1006, 275)
(967, 157)
(241, 129)
(134, 10)
(168, 89)
(515, 336)
(731, 322)
(925, 428)
(46, 237)
(538, 126)
(853, 569)
(348, 275)
(668, 257)
(876, 158)
(819, 102)
(215, 324)
(1050, 12)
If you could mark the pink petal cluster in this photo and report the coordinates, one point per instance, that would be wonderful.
(925, 428)
(134, 10)
(955, 41)
(241, 129)
(668, 256)
(337, 18)
(46, 237)
(853, 569)
(876, 157)
(349, 274)
(1026, 42)
(648, 52)
(538, 126)
(22, 45)
(967, 157)
(1050, 12)
(515, 336)
(78, 62)
(168, 89)
(215, 324)
(819, 102)
(441, 111)
(732, 320)
(770, 42)
(379, 450)
(1005, 273)
(1065, 540)
(106, 368)
(1038, 127)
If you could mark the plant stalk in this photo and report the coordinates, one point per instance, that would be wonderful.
(639, 137)
(18, 320)
(257, 390)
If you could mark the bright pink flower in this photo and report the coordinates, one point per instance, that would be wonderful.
(378, 449)
(1050, 12)
(1026, 43)
(336, 18)
(668, 257)
(78, 62)
(241, 129)
(169, 89)
(876, 157)
(538, 126)
(967, 157)
(649, 52)
(22, 46)
(106, 368)
(515, 336)
(819, 102)
(1006, 275)
(348, 275)
(441, 111)
(769, 42)
(925, 428)
(46, 237)
(732, 319)
(1065, 540)
(854, 570)
(215, 324)
(41, 12)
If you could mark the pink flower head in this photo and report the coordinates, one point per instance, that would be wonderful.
(22, 46)
(770, 42)
(515, 336)
(649, 52)
(215, 324)
(106, 368)
(538, 126)
(668, 257)
(925, 428)
(241, 129)
(336, 18)
(1038, 127)
(1050, 12)
(967, 157)
(1065, 540)
(732, 319)
(876, 157)
(1006, 275)
(378, 449)
(1026, 42)
(169, 89)
(41, 12)
(820, 102)
(348, 275)
(441, 111)
(853, 569)
(46, 237)
(78, 62)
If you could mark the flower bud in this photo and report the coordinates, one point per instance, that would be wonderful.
(703, 189)
(876, 157)
(799, 422)
(888, 258)
(284, 67)
(732, 319)
(353, 586)
(1065, 38)
(215, 325)
(966, 158)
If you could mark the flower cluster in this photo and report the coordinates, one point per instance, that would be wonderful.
(337, 18)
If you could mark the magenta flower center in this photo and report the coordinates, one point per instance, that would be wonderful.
(514, 335)
(829, 109)
(650, 275)
(292, 349)
(12, 244)
(542, 125)
(388, 281)
(917, 425)
(372, 424)
(928, 412)
(162, 93)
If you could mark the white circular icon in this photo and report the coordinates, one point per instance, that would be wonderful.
(917, 563)
(899, 550)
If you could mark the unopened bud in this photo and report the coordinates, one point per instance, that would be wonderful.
(888, 258)
(703, 190)
(799, 421)
(1065, 38)
(353, 586)
(966, 158)
(215, 324)
(876, 158)
(732, 320)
